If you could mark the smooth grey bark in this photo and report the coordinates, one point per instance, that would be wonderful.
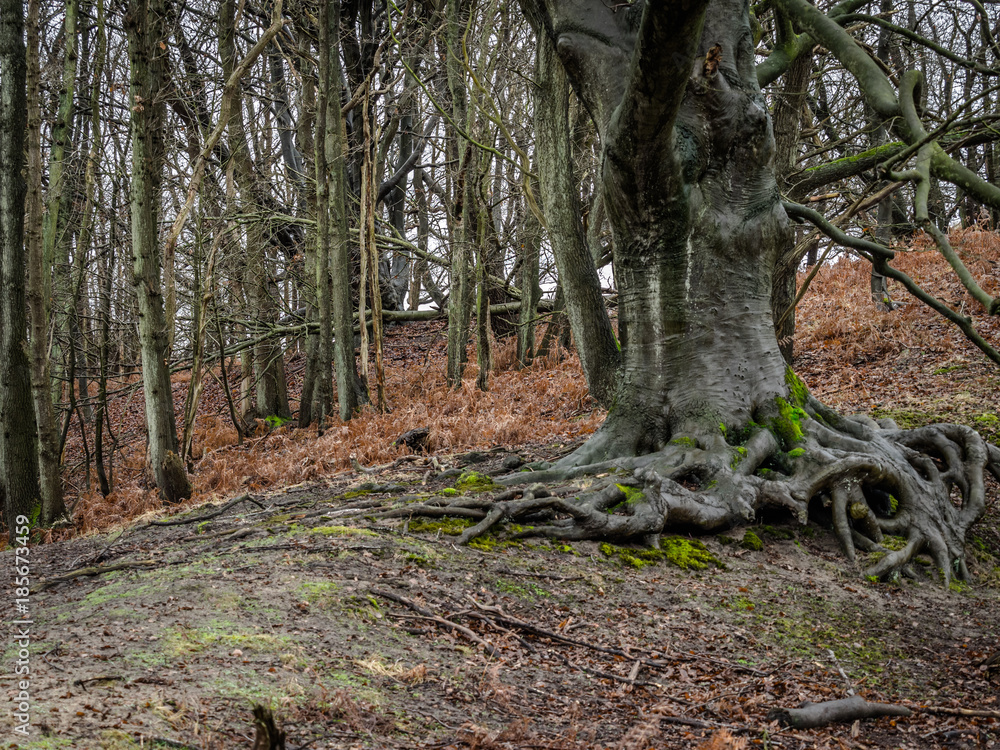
(19, 490)
(708, 419)
(787, 121)
(691, 198)
(144, 23)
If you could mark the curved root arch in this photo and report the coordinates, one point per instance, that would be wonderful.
(896, 493)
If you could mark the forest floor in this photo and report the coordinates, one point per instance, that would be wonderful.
(367, 631)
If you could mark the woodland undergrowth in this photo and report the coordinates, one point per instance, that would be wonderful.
(546, 404)
(906, 363)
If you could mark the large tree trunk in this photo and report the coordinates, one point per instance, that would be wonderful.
(144, 22)
(690, 194)
(705, 414)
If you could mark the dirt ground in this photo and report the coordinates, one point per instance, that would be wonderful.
(363, 631)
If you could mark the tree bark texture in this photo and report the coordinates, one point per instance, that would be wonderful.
(39, 290)
(464, 228)
(145, 24)
(595, 338)
(335, 271)
(18, 448)
(269, 385)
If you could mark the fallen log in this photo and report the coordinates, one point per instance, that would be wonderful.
(811, 715)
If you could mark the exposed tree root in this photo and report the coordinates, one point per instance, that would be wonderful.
(894, 494)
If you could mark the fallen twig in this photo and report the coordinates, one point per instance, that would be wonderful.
(489, 648)
(978, 713)
(100, 678)
(550, 576)
(608, 675)
(431, 510)
(94, 559)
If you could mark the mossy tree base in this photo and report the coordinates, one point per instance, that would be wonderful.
(871, 483)
(707, 429)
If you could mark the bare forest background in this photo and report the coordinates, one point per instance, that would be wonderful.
(222, 193)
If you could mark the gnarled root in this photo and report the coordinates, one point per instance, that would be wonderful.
(891, 493)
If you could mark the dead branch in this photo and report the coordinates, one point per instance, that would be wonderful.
(97, 570)
(206, 516)
(609, 675)
(811, 715)
(978, 713)
(100, 678)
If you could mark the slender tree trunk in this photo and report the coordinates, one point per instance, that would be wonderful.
(269, 383)
(370, 263)
(39, 290)
(484, 225)
(531, 292)
(787, 125)
(595, 338)
(464, 235)
(145, 25)
(328, 101)
(19, 486)
(56, 235)
(335, 274)
(308, 120)
(105, 475)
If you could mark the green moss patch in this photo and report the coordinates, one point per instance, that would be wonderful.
(446, 525)
(180, 641)
(355, 493)
(341, 531)
(688, 554)
(739, 453)
(798, 393)
(633, 495)
(751, 542)
(787, 425)
(685, 441)
(490, 543)
(474, 481)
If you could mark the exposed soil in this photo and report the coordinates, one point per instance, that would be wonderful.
(291, 601)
